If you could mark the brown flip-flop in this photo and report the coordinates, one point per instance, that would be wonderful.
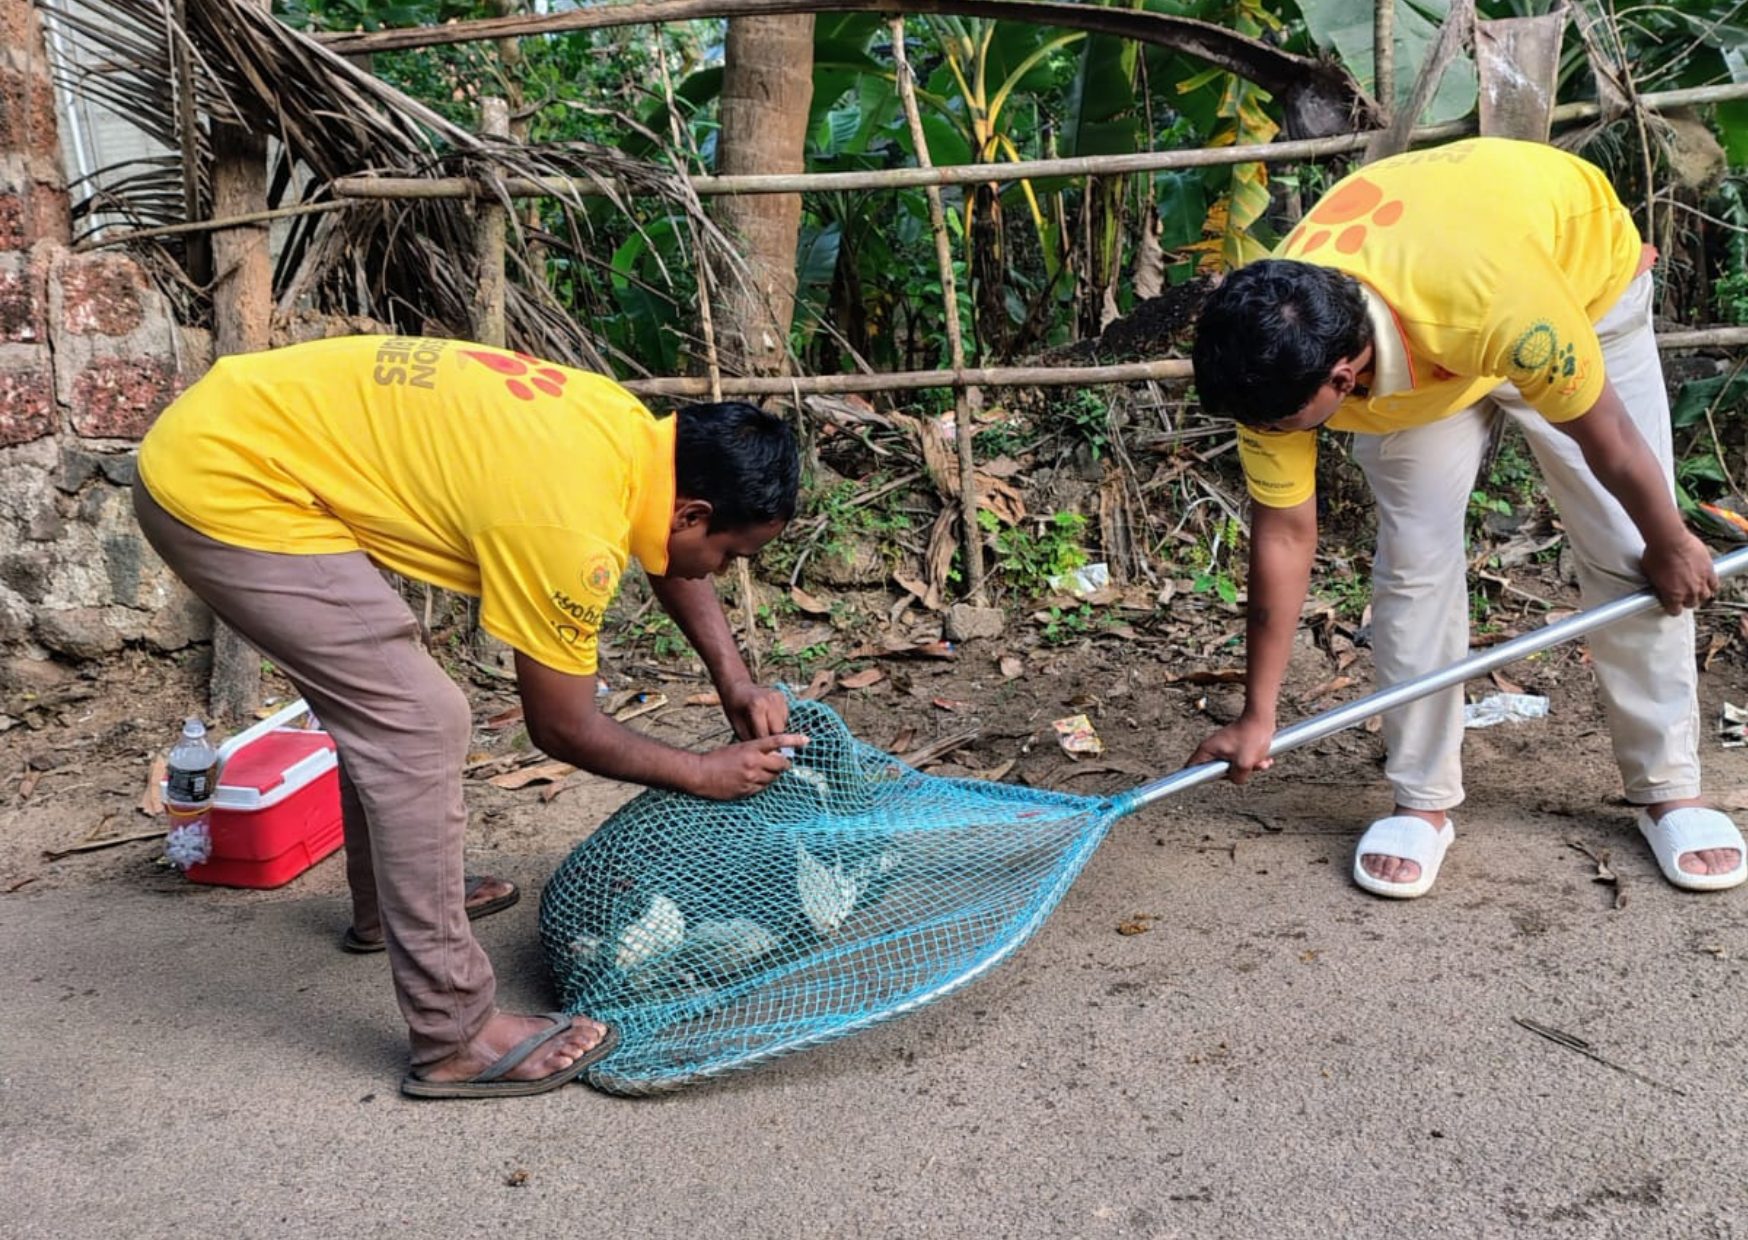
(351, 942)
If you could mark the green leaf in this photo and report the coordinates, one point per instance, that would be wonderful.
(817, 257)
(1182, 198)
(1345, 28)
(1103, 118)
(1733, 131)
(1718, 394)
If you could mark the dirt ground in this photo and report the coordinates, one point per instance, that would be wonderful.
(80, 742)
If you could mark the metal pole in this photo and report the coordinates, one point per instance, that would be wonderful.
(1331, 721)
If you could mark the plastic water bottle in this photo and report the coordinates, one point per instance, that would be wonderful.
(191, 781)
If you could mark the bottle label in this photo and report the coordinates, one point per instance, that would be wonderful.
(186, 786)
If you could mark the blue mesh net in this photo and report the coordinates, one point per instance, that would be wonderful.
(719, 935)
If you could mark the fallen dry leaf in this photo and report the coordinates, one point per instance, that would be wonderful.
(922, 650)
(1335, 685)
(822, 683)
(552, 790)
(862, 679)
(1505, 684)
(808, 603)
(704, 699)
(505, 718)
(1012, 666)
(641, 704)
(546, 772)
(1141, 923)
(152, 800)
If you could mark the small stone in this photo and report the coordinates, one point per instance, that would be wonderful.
(965, 622)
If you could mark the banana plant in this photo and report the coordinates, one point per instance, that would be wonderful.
(985, 63)
(1105, 117)
(1243, 120)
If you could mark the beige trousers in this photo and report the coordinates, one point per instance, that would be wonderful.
(1645, 666)
(344, 637)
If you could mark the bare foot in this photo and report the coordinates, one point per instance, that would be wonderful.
(1701, 860)
(504, 1032)
(1399, 869)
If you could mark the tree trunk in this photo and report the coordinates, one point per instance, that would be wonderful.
(767, 88)
(242, 314)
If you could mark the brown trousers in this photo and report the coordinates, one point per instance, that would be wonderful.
(341, 633)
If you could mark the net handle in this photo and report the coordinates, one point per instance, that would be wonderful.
(1331, 721)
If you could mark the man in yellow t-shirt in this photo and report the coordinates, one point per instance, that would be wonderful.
(1423, 298)
(280, 486)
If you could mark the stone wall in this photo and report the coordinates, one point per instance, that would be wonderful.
(89, 354)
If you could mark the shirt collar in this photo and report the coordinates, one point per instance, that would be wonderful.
(652, 494)
(1392, 365)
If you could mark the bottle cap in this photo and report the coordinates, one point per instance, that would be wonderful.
(193, 729)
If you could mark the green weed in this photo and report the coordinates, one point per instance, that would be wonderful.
(1028, 558)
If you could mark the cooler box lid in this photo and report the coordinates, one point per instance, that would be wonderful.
(271, 767)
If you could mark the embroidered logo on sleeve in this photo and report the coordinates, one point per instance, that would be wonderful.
(1539, 349)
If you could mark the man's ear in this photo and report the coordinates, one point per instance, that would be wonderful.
(691, 512)
(1344, 377)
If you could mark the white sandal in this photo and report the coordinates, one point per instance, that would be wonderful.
(1693, 828)
(1410, 838)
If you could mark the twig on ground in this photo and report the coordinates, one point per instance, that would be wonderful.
(1574, 1043)
(55, 854)
(1604, 873)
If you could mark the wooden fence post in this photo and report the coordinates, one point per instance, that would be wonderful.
(242, 314)
(490, 225)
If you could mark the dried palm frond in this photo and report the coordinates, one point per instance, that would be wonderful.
(408, 264)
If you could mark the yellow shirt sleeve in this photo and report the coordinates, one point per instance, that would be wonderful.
(1280, 469)
(545, 590)
(1541, 338)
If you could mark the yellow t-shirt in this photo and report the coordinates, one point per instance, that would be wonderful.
(1483, 261)
(479, 470)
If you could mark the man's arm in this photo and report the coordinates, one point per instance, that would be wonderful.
(753, 711)
(1283, 544)
(564, 722)
(1676, 563)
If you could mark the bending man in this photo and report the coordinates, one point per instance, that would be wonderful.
(280, 486)
(1422, 299)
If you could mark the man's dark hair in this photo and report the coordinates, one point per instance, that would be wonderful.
(1269, 334)
(740, 460)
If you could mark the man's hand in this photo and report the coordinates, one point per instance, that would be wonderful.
(1243, 745)
(1677, 564)
(1681, 573)
(565, 722)
(754, 711)
(736, 771)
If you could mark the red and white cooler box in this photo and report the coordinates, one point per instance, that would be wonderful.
(276, 811)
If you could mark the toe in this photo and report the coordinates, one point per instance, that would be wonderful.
(1390, 869)
(1710, 861)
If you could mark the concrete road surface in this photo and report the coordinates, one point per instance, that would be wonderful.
(1278, 1056)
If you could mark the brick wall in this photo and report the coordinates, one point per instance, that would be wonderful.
(89, 353)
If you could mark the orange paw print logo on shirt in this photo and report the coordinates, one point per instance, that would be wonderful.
(1345, 219)
(525, 376)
